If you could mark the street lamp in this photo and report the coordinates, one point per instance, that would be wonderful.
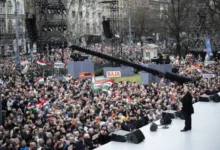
(18, 61)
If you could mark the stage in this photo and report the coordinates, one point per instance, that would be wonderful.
(204, 135)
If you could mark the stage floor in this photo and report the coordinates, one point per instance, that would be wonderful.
(205, 133)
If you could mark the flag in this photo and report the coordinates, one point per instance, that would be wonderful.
(24, 62)
(199, 70)
(45, 105)
(39, 81)
(207, 62)
(101, 85)
(66, 79)
(30, 107)
(25, 69)
(189, 56)
(206, 59)
(72, 106)
(43, 63)
(161, 82)
(173, 97)
(182, 72)
(38, 107)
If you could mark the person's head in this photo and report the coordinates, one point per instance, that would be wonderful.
(185, 90)
(23, 143)
(33, 145)
(91, 130)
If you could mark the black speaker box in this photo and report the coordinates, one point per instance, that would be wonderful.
(215, 98)
(119, 136)
(153, 127)
(170, 115)
(165, 120)
(135, 137)
(203, 99)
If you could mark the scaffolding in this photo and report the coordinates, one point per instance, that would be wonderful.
(115, 27)
(49, 36)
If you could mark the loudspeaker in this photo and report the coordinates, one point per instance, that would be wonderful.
(204, 99)
(165, 120)
(153, 127)
(215, 98)
(135, 137)
(119, 136)
(107, 29)
(169, 114)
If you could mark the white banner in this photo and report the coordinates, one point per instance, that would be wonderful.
(208, 76)
(59, 65)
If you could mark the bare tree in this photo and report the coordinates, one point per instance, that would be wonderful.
(175, 18)
(214, 5)
(77, 21)
(141, 23)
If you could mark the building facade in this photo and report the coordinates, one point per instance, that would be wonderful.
(8, 26)
(84, 18)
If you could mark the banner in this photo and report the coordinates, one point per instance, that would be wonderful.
(113, 74)
(208, 46)
(59, 65)
(208, 76)
(193, 67)
(83, 75)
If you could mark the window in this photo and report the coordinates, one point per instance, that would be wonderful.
(73, 26)
(2, 8)
(2, 26)
(94, 28)
(87, 28)
(80, 15)
(99, 15)
(10, 26)
(99, 28)
(93, 15)
(87, 14)
(10, 11)
(18, 7)
(73, 14)
(80, 2)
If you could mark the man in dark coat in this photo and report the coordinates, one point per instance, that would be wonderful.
(187, 109)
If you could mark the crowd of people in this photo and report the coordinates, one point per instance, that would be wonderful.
(71, 116)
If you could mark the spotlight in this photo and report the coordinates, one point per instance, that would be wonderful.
(59, 11)
(49, 10)
(50, 28)
(64, 27)
(43, 10)
(64, 10)
(44, 28)
(60, 28)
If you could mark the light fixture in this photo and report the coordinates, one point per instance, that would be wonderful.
(50, 28)
(64, 27)
(64, 11)
(44, 28)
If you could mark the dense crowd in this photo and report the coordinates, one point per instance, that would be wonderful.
(70, 115)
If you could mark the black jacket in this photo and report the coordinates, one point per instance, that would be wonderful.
(187, 104)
